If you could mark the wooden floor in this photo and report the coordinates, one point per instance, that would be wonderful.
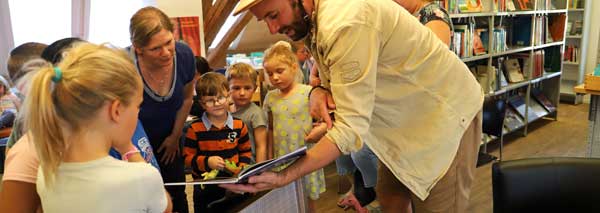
(564, 137)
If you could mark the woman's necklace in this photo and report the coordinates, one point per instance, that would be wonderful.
(160, 80)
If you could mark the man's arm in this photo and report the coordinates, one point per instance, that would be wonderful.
(352, 61)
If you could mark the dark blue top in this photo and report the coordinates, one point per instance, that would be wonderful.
(158, 113)
(140, 140)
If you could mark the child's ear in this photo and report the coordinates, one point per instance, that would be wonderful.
(114, 110)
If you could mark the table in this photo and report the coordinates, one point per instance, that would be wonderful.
(593, 149)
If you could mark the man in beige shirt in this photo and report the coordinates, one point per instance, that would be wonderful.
(396, 87)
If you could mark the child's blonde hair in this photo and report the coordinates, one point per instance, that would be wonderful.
(241, 71)
(211, 84)
(282, 53)
(70, 94)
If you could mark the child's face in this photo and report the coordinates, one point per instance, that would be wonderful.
(216, 105)
(241, 90)
(130, 118)
(280, 75)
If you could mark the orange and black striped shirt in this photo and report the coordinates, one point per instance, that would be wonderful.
(230, 143)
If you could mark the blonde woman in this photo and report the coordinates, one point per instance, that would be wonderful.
(167, 69)
(77, 111)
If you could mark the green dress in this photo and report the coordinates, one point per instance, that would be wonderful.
(291, 121)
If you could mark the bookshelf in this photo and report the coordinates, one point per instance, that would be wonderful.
(531, 33)
(575, 49)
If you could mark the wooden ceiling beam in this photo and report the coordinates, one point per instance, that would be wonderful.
(217, 56)
(206, 6)
(217, 16)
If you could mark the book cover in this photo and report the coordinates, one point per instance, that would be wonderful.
(537, 109)
(513, 70)
(521, 31)
(512, 121)
(518, 103)
(542, 99)
(525, 4)
(187, 30)
(253, 170)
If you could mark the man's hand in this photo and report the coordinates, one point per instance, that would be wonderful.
(316, 133)
(262, 182)
(216, 162)
(320, 103)
(171, 148)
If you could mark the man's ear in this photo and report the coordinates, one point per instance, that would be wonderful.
(114, 110)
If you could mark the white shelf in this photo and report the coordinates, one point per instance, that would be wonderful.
(575, 36)
(576, 10)
(548, 45)
(570, 63)
(505, 13)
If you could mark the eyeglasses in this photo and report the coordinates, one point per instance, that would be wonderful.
(219, 100)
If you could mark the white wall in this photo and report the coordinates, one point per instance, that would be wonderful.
(6, 42)
(175, 8)
(593, 36)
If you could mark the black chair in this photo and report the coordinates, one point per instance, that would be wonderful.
(558, 184)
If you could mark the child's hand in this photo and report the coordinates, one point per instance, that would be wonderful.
(316, 133)
(216, 162)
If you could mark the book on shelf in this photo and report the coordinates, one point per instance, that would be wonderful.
(479, 48)
(499, 6)
(571, 53)
(253, 170)
(499, 42)
(576, 27)
(537, 109)
(525, 4)
(539, 96)
(517, 102)
(575, 4)
(557, 26)
(510, 5)
(521, 31)
(538, 68)
(512, 70)
(512, 121)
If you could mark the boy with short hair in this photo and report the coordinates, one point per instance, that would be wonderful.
(242, 84)
(215, 138)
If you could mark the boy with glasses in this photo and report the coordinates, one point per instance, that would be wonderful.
(213, 139)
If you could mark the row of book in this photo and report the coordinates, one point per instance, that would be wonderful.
(571, 53)
(515, 116)
(474, 6)
(541, 34)
(461, 6)
(576, 4)
(507, 70)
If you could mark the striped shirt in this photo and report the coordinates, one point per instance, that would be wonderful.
(230, 143)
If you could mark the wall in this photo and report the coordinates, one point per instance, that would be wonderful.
(594, 36)
(184, 8)
(6, 42)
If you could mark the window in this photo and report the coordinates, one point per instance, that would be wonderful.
(40, 21)
(110, 23)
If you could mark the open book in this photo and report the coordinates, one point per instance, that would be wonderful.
(249, 171)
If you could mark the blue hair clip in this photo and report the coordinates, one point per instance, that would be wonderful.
(57, 75)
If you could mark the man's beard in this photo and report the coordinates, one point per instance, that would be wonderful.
(300, 26)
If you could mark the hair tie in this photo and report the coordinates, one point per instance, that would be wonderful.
(57, 75)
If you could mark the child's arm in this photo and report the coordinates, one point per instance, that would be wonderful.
(270, 137)
(190, 147)
(244, 147)
(260, 140)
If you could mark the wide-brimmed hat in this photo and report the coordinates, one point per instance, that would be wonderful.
(243, 5)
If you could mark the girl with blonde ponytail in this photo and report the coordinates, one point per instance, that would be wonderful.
(77, 111)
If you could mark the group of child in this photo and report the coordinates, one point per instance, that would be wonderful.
(277, 129)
